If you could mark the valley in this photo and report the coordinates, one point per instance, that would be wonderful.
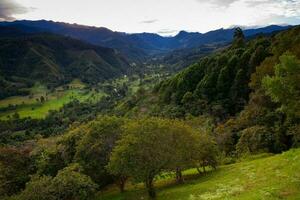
(90, 113)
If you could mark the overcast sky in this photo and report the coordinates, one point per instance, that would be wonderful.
(165, 17)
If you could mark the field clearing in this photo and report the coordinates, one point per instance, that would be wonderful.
(272, 178)
(29, 106)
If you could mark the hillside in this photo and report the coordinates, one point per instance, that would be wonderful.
(218, 84)
(53, 60)
(274, 177)
(139, 46)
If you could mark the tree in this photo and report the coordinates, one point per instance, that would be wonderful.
(183, 142)
(151, 146)
(42, 99)
(15, 168)
(49, 157)
(284, 86)
(238, 38)
(142, 152)
(255, 139)
(68, 184)
(205, 152)
(94, 148)
(38, 188)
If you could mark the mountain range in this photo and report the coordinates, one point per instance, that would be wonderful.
(138, 46)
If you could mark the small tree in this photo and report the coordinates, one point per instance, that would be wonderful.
(68, 184)
(15, 168)
(42, 99)
(238, 38)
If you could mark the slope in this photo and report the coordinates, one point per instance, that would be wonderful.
(270, 178)
(53, 60)
(218, 84)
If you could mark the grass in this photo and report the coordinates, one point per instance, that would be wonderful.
(271, 178)
(28, 106)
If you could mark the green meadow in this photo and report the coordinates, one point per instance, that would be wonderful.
(31, 106)
(262, 178)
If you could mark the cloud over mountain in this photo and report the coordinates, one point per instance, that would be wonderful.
(8, 8)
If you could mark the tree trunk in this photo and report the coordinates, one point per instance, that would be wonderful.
(199, 170)
(150, 188)
(179, 178)
(121, 183)
(204, 169)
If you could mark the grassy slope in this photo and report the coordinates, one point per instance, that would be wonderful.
(275, 177)
(29, 107)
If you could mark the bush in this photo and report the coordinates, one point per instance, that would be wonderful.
(254, 140)
(68, 184)
(15, 167)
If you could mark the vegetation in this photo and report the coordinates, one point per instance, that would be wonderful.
(189, 136)
(53, 60)
(260, 177)
(69, 183)
(152, 146)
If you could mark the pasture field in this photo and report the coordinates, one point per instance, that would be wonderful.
(31, 105)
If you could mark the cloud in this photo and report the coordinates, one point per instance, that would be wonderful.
(167, 32)
(222, 3)
(255, 3)
(151, 21)
(8, 8)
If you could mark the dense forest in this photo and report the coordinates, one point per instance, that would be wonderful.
(235, 102)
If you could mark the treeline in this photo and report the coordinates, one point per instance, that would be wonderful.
(104, 151)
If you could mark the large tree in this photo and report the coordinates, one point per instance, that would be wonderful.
(94, 148)
(151, 146)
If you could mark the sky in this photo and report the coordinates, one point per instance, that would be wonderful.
(165, 17)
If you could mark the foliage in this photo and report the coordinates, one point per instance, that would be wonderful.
(69, 183)
(54, 60)
(152, 145)
(284, 86)
(261, 177)
(255, 139)
(95, 146)
(218, 82)
(15, 168)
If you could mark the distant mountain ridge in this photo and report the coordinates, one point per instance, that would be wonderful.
(138, 46)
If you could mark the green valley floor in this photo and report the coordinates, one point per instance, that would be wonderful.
(262, 178)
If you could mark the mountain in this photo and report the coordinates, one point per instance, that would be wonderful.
(138, 46)
(53, 60)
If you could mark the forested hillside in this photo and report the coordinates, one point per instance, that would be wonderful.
(53, 60)
(249, 91)
(217, 84)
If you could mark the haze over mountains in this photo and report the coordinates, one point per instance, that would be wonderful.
(136, 47)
